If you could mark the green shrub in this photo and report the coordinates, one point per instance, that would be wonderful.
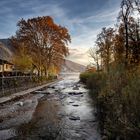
(94, 81)
(85, 76)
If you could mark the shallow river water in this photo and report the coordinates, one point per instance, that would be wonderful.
(67, 113)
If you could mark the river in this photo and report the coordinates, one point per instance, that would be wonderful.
(67, 113)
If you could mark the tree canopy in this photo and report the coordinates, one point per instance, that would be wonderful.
(45, 41)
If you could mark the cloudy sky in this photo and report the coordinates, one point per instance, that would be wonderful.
(83, 18)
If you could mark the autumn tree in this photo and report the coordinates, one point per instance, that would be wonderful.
(23, 61)
(105, 44)
(128, 9)
(45, 41)
(134, 41)
(119, 46)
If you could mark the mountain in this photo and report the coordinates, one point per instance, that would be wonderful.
(6, 50)
(69, 66)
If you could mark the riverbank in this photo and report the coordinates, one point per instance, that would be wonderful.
(25, 92)
(19, 108)
(117, 100)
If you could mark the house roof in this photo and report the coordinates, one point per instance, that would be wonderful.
(4, 62)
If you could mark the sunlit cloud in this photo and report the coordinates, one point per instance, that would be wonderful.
(79, 55)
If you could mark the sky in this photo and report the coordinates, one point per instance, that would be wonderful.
(83, 18)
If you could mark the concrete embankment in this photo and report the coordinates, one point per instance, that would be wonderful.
(23, 93)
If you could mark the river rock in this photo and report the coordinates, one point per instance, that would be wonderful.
(57, 90)
(75, 105)
(62, 97)
(104, 137)
(48, 91)
(74, 118)
(75, 88)
(53, 87)
(20, 103)
(71, 102)
(1, 120)
(28, 102)
(37, 92)
(75, 93)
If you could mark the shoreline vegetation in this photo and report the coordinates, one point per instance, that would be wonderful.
(40, 46)
(116, 98)
(115, 85)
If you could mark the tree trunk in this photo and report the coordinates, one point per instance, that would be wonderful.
(47, 74)
(126, 44)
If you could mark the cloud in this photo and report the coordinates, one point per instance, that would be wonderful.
(83, 19)
(79, 55)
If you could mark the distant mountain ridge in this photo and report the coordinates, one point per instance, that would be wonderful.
(70, 66)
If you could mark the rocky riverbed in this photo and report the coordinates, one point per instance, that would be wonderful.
(62, 111)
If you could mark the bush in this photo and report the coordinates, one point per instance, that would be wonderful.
(85, 76)
(94, 81)
(117, 96)
(120, 104)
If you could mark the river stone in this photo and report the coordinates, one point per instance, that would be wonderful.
(71, 102)
(75, 88)
(74, 118)
(57, 90)
(75, 105)
(43, 92)
(104, 137)
(75, 93)
(62, 97)
(53, 87)
(1, 120)
(20, 103)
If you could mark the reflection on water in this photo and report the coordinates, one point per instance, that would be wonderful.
(44, 123)
(65, 114)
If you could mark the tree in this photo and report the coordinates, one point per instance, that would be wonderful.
(134, 40)
(126, 10)
(46, 41)
(137, 3)
(23, 61)
(119, 46)
(105, 44)
(93, 52)
(133, 35)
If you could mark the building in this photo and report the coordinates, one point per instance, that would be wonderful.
(5, 66)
